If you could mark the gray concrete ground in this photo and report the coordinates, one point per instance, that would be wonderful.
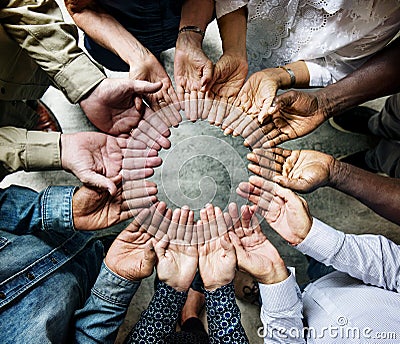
(205, 166)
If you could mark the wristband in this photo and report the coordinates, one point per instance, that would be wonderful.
(192, 28)
(291, 74)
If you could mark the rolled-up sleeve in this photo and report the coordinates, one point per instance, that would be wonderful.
(28, 150)
(39, 28)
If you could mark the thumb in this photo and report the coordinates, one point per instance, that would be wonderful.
(239, 249)
(283, 181)
(237, 244)
(226, 243)
(161, 246)
(140, 86)
(285, 99)
(149, 255)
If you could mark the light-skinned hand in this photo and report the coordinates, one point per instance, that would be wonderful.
(131, 255)
(217, 258)
(100, 158)
(286, 212)
(255, 253)
(114, 106)
(258, 92)
(193, 73)
(177, 260)
(164, 101)
(230, 73)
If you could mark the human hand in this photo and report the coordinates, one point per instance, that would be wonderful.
(255, 253)
(152, 131)
(238, 123)
(131, 255)
(294, 114)
(164, 101)
(111, 106)
(138, 160)
(286, 212)
(299, 170)
(94, 209)
(258, 92)
(229, 75)
(177, 260)
(193, 73)
(100, 157)
(217, 258)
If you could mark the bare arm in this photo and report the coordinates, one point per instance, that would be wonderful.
(89, 17)
(381, 71)
(381, 194)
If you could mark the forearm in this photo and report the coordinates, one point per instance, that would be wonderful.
(104, 311)
(103, 28)
(381, 194)
(370, 258)
(381, 71)
(194, 13)
(281, 312)
(160, 317)
(223, 316)
(197, 13)
(40, 30)
(28, 150)
(232, 29)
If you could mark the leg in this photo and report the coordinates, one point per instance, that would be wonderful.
(385, 157)
(386, 124)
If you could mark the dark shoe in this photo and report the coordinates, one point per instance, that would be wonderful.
(358, 160)
(246, 288)
(47, 121)
(354, 120)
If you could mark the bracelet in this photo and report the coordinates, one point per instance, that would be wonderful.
(291, 74)
(192, 28)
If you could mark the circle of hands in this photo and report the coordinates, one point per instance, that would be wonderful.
(218, 242)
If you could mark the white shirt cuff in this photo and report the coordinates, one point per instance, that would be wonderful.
(322, 242)
(319, 75)
(281, 296)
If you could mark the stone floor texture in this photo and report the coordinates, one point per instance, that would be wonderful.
(207, 167)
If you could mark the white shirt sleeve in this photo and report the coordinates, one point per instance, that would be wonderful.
(373, 259)
(320, 76)
(281, 312)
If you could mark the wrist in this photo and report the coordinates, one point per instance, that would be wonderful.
(189, 38)
(338, 172)
(177, 285)
(279, 274)
(300, 72)
(327, 103)
(214, 285)
(63, 154)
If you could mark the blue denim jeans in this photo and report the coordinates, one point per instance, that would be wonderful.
(47, 269)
